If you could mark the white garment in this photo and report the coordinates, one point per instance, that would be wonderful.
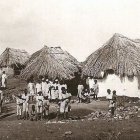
(96, 88)
(19, 105)
(80, 89)
(43, 85)
(4, 77)
(53, 94)
(31, 88)
(25, 103)
(47, 89)
(109, 96)
(91, 83)
(38, 87)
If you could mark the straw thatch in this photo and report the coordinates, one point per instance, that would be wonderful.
(13, 57)
(120, 54)
(51, 61)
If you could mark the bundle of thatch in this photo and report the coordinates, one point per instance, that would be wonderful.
(53, 62)
(120, 54)
(13, 57)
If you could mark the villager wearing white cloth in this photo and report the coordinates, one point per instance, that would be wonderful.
(39, 105)
(31, 89)
(38, 87)
(47, 88)
(56, 86)
(43, 86)
(19, 104)
(96, 89)
(80, 89)
(3, 80)
(91, 83)
(64, 103)
(25, 98)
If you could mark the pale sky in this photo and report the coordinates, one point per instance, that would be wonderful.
(78, 26)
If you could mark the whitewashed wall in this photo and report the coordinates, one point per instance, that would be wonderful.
(125, 87)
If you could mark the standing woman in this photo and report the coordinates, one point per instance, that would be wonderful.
(80, 89)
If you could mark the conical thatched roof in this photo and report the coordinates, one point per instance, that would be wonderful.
(53, 62)
(13, 56)
(120, 54)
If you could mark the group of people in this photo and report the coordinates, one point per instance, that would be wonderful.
(34, 102)
(88, 93)
(40, 94)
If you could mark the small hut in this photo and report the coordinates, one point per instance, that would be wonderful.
(52, 62)
(13, 60)
(116, 65)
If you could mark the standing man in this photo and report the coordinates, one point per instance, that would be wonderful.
(31, 89)
(96, 89)
(25, 98)
(80, 89)
(4, 78)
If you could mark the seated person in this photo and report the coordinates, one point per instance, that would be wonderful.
(85, 96)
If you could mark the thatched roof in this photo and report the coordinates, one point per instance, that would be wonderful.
(120, 54)
(53, 62)
(13, 56)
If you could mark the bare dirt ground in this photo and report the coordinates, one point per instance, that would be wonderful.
(80, 129)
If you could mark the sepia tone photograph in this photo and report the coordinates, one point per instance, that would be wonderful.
(69, 70)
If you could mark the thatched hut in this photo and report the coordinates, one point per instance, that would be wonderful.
(114, 64)
(13, 60)
(52, 62)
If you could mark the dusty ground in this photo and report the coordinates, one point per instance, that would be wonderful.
(13, 129)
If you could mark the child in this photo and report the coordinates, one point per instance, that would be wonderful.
(109, 97)
(112, 107)
(80, 89)
(85, 96)
(46, 107)
(92, 94)
(39, 105)
(33, 113)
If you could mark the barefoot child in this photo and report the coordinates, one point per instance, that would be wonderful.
(33, 113)
(39, 105)
(46, 107)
